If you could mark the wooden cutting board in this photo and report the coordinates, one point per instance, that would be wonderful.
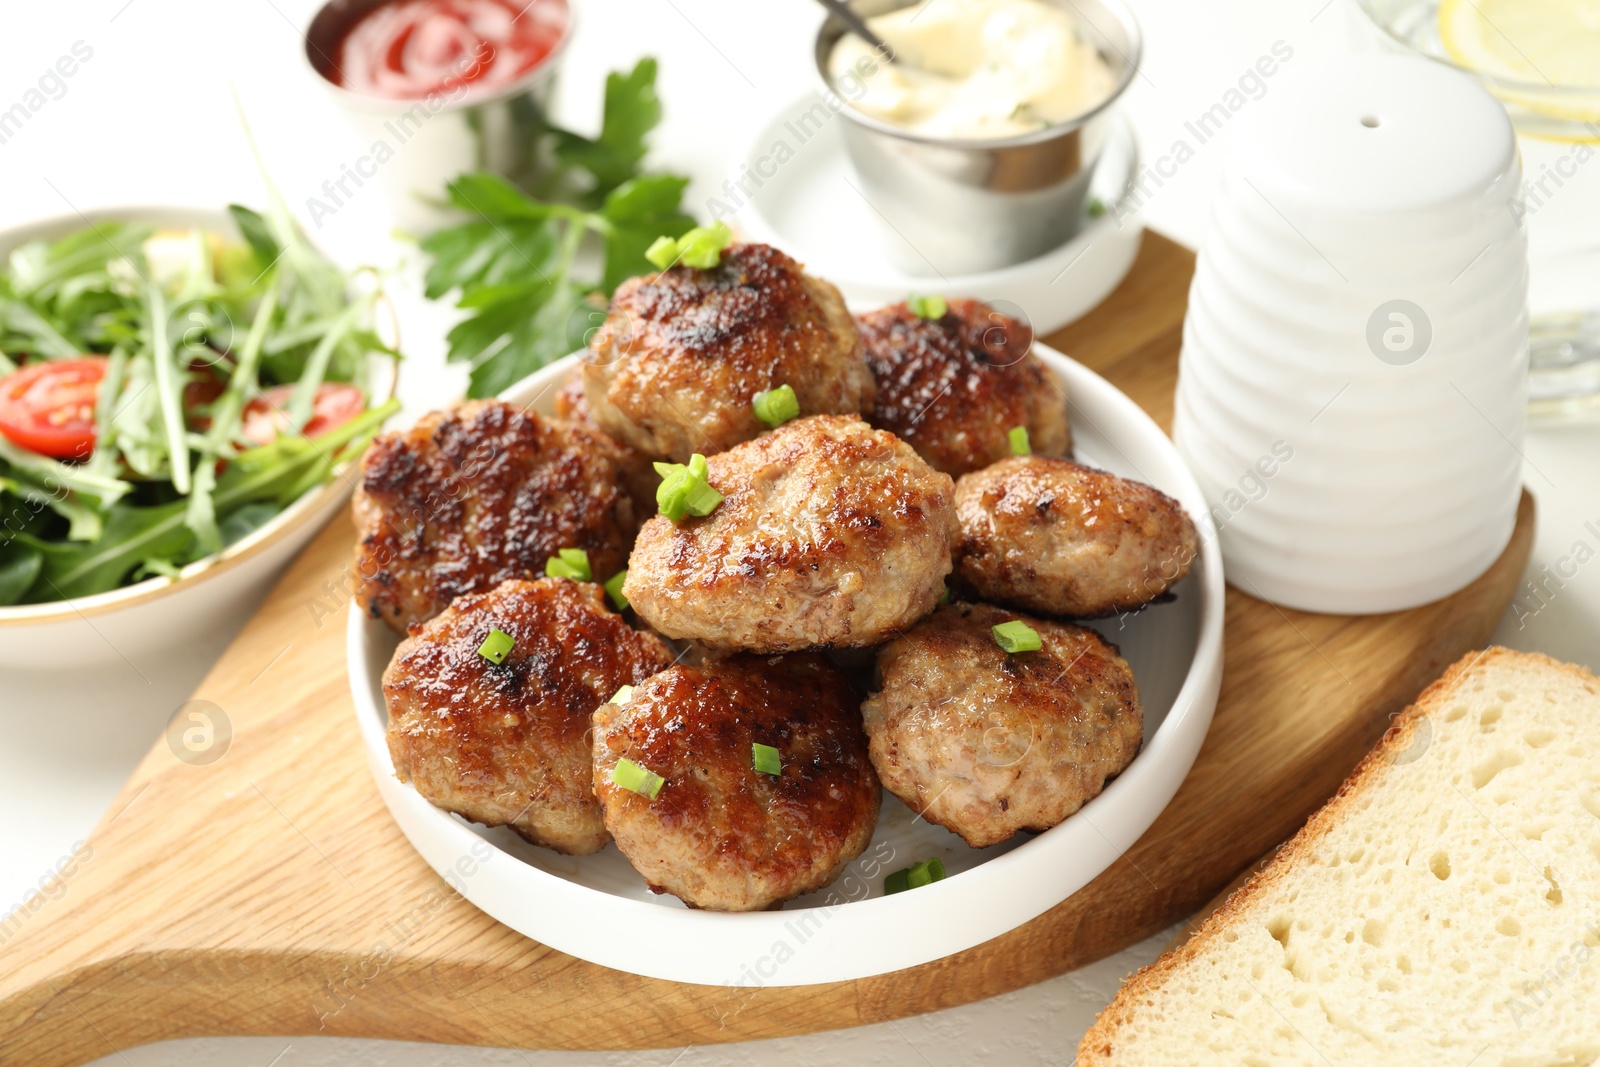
(269, 892)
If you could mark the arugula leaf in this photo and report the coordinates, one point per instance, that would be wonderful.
(247, 520)
(40, 268)
(22, 329)
(157, 537)
(253, 228)
(512, 263)
(131, 536)
(19, 569)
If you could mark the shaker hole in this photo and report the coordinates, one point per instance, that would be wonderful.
(1369, 121)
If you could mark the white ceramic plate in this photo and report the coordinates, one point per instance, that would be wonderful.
(815, 207)
(597, 908)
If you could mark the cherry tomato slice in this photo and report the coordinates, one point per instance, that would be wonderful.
(333, 405)
(48, 406)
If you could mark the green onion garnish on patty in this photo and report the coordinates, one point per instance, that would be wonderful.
(569, 563)
(701, 247)
(1016, 636)
(636, 779)
(915, 876)
(684, 490)
(497, 646)
(663, 252)
(776, 406)
(1018, 437)
(766, 759)
(932, 306)
(613, 589)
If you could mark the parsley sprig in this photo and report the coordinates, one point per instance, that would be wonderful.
(514, 262)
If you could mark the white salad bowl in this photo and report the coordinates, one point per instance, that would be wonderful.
(135, 621)
(597, 908)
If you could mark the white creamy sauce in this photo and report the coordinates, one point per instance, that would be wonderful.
(973, 69)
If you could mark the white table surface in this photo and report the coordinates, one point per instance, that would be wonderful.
(150, 118)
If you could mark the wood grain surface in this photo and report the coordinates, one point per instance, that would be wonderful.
(268, 892)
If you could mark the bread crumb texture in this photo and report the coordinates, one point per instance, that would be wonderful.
(1443, 908)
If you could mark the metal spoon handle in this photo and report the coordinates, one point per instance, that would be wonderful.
(858, 26)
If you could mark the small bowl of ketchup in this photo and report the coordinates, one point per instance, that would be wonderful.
(436, 88)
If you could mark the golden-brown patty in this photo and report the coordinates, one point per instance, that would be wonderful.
(720, 834)
(1051, 535)
(509, 743)
(953, 387)
(477, 494)
(987, 742)
(639, 476)
(684, 352)
(829, 533)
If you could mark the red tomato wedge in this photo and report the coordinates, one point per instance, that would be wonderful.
(333, 405)
(48, 407)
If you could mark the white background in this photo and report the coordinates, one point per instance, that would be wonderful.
(150, 119)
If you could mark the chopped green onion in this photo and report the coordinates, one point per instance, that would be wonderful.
(569, 563)
(1018, 436)
(701, 247)
(613, 589)
(776, 406)
(1097, 207)
(663, 252)
(1016, 636)
(766, 759)
(636, 779)
(915, 876)
(686, 490)
(623, 695)
(927, 872)
(932, 306)
(944, 595)
(497, 646)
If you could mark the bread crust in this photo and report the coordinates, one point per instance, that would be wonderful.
(1098, 1046)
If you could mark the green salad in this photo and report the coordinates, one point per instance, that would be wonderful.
(164, 393)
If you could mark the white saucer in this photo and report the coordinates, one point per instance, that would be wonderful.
(815, 208)
(597, 908)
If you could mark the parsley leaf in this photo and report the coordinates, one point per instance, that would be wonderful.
(512, 263)
(632, 110)
(639, 211)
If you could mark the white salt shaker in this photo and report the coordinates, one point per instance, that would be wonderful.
(1352, 386)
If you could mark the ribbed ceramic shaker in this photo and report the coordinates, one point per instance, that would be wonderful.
(1353, 377)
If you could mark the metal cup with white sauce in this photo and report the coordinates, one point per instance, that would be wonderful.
(957, 206)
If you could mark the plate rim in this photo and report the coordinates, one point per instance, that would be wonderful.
(855, 938)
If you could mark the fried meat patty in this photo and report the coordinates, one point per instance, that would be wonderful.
(684, 352)
(986, 742)
(1053, 536)
(639, 477)
(477, 494)
(509, 743)
(721, 835)
(829, 533)
(953, 387)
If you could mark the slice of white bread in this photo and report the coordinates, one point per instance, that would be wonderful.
(1443, 908)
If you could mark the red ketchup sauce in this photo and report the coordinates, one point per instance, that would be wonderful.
(407, 49)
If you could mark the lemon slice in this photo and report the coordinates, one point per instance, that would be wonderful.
(1552, 45)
